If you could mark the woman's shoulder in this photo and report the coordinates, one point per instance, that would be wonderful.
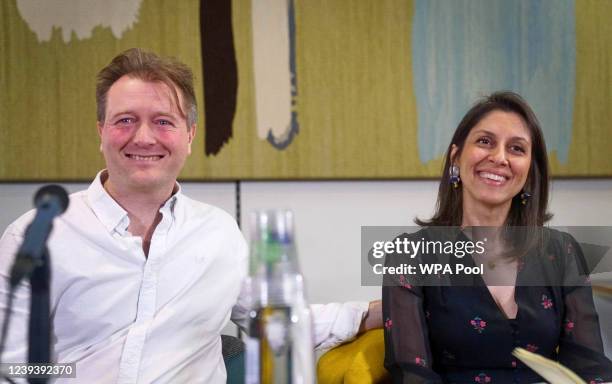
(560, 242)
(568, 253)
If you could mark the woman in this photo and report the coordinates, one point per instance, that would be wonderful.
(532, 293)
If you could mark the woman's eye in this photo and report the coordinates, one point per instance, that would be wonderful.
(517, 148)
(484, 140)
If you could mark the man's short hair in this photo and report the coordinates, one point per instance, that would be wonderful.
(148, 66)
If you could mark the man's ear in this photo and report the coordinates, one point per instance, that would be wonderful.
(191, 133)
(100, 126)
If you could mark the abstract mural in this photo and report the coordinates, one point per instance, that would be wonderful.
(471, 48)
(310, 89)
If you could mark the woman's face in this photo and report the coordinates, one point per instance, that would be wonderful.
(495, 160)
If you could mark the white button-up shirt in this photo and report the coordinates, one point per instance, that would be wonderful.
(123, 317)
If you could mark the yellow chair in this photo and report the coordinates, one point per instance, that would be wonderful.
(358, 362)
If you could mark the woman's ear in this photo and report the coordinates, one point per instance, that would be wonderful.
(453, 153)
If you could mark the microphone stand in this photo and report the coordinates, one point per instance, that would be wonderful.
(39, 337)
(33, 262)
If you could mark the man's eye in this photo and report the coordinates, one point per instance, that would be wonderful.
(165, 123)
(125, 120)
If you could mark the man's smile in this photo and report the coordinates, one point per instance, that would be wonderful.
(144, 157)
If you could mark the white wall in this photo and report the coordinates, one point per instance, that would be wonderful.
(329, 216)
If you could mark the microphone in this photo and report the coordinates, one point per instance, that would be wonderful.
(50, 201)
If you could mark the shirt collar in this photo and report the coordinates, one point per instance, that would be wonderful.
(170, 204)
(112, 215)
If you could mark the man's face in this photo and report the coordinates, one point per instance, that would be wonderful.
(144, 138)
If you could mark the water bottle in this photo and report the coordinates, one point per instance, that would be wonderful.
(279, 345)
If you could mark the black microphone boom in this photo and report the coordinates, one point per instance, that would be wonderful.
(50, 201)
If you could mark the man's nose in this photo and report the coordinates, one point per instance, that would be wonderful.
(144, 135)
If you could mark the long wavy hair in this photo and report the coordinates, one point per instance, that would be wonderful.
(449, 207)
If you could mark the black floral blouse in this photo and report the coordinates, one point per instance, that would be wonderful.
(457, 334)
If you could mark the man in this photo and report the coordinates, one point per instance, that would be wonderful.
(144, 278)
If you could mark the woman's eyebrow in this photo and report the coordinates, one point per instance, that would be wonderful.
(489, 133)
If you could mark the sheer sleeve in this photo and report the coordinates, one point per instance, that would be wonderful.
(580, 347)
(408, 354)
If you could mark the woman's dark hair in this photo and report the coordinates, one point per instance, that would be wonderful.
(449, 207)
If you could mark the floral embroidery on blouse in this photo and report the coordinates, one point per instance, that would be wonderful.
(448, 355)
(596, 380)
(546, 302)
(482, 378)
(570, 248)
(532, 347)
(388, 323)
(404, 283)
(568, 325)
(420, 361)
(478, 324)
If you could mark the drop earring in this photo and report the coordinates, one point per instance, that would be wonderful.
(454, 176)
(525, 196)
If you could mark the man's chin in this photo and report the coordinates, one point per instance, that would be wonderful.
(141, 180)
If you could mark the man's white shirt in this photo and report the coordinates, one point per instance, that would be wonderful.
(126, 318)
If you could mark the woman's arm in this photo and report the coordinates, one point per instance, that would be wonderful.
(407, 351)
(580, 346)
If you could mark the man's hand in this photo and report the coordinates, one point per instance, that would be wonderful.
(372, 319)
